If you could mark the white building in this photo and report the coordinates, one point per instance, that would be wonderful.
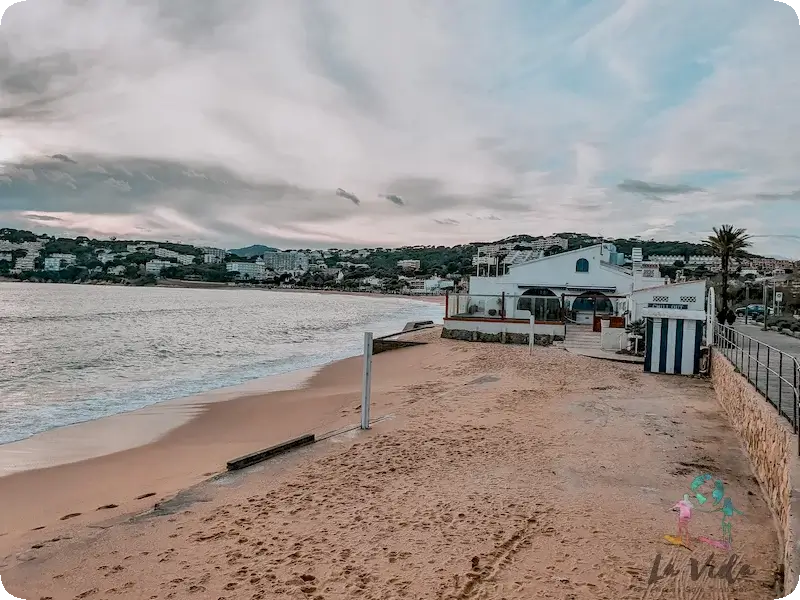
(165, 253)
(185, 259)
(247, 270)
(667, 260)
(286, 262)
(431, 285)
(548, 242)
(155, 267)
(586, 284)
(215, 252)
(66, 259)
(25, 263)
(213, 255)
(372, 281)
(408, 265)
(712, 263)
(29, 247)
(142, 247)
(51, 263)
(118, 270)
(7, 256)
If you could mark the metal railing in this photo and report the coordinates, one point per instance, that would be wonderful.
(775, 374)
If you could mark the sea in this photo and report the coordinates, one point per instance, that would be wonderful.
(75, 353)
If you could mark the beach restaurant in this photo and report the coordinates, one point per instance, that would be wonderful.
(576, 288)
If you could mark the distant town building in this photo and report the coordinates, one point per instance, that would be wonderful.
(431, 285)
(247, 270)
(25, 263)
(667, 259)
(118, 270)
(712, 263)
(216, 252)
(61, 260)
(408, 265)
(548, 242)
(164, 253)
(52, 264)
(286, 262)
(141, 247)
(154, 267)
(372, 281)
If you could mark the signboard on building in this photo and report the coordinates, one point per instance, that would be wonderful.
(779, 297)
(675, 306)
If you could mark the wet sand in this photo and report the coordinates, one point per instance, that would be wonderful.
(497, 475)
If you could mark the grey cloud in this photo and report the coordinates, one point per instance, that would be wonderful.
(394, 199)
(349, 195)
(431, 195)
(635, 186)
(795, 195)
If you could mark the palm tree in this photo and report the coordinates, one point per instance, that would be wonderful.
(727, 243)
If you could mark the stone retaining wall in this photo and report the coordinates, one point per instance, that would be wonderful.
(382, 345)
(500, 338)
(772, 447)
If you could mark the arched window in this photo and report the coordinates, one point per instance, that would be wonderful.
(582, 266)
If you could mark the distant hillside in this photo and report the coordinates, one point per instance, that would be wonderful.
(649, 247)
(252, 251)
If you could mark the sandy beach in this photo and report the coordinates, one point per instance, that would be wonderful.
(492, 474)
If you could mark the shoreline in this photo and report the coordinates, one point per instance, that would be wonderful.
(102, 436)
(70, 442)
(210, 285)
(92, 490)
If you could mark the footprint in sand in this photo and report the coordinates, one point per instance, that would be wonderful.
(107, 506)
(147, 495)
(70, 516)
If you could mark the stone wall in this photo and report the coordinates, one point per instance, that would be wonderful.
(772, 449)
(500, 338)
(383, 345)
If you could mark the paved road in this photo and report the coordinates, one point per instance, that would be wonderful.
(784, 343)
(772, 370)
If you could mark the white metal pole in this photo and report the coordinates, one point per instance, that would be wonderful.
(367, 383)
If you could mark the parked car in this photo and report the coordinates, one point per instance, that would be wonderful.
(753, 310)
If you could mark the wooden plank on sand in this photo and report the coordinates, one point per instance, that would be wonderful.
(262, 455)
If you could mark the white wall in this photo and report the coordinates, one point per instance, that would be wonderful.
(501, 326)
(557, 270)
(610, 338)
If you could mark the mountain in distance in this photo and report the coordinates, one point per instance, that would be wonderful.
(252, 251)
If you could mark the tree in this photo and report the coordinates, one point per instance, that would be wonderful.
(727, 243)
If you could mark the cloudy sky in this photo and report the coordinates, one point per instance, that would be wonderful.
(356, 122)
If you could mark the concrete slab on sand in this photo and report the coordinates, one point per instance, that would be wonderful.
(607, 355)
(502, 475)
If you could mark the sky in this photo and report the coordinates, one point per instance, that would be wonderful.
(319, 123)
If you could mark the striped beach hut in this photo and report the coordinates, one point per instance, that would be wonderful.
(673, 340)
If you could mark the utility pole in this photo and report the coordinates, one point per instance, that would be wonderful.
(774, 287)
(765, 304)
(746, 300)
